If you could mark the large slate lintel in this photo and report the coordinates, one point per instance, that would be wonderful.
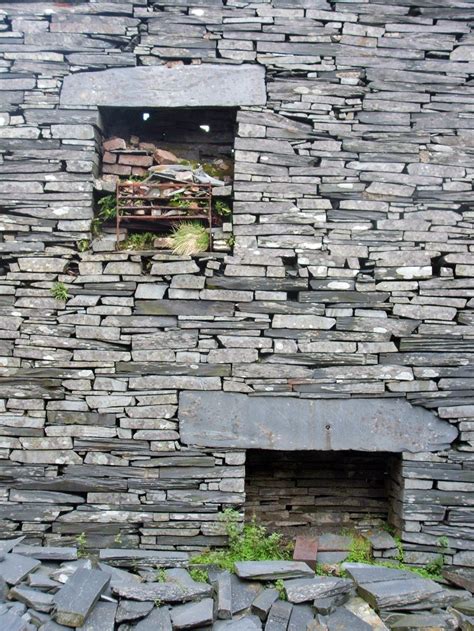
(208, 85)
(223, 419)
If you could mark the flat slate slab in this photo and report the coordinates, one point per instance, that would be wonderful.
(158, 620)
(14, 567)
(207, 85)
(279, 616)
(225, 419)
(301, 590)
(131, 610)
(75, 600)
(424, 622)
(393, 595)
(272, 570)
(344, 620)
(165, 592)
(193, 615)
(129, 557)
(463, 577)
(363, 573)
(247, 623)
(101, 618)
(47, 553)
(264, 601)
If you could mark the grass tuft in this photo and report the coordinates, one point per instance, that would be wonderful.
(189, 238)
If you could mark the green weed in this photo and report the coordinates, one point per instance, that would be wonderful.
(251, 542)
(199, 574)
(59, 291)
(139, 241)
(81, 542)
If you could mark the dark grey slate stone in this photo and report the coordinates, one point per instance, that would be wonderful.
(14, 567)
(158, 86)
(301, 616)
(247, 623)
(344, 620)
(427, 622)
(126, 557)
(75, 600)
(158, 620)
(393, 595)
(279, 616)
(102, 618)
(130, 610)
(32, 598)
(223, 419)
(48, 553)
(165, 592)
(305, 589)
(11, 622)
(262, 604)
(272, 570)
(191, 615)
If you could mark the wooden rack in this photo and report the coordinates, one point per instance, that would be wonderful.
(151, 202)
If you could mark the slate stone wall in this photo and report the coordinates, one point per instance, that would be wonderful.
(351, 276)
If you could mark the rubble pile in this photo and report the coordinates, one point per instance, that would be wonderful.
(51, 589)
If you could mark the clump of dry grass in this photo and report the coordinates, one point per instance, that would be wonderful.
(189, 238)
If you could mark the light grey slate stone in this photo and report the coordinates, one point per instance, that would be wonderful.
(76, 599)
(272, 570)
(221, 419)
(11, 622)
(159, 86)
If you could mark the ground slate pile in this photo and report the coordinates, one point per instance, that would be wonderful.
(52, 589)
(351, 275)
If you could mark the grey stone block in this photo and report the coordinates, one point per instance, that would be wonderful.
(234, 420)
(192, 615)
(158, 86)
(272, 570)
(76, 599)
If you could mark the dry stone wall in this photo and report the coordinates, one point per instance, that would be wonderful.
(351, 276)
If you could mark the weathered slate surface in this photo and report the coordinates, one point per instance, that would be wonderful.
(181, 86)
(75, 600)
(233, 420)
(272, 570)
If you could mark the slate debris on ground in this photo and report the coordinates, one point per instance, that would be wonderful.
(90, 595)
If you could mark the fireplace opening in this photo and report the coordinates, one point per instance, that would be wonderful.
(166, 178)
(309, 492)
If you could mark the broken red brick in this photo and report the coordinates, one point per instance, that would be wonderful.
(135, 160)
(306, 549)
(114, 144)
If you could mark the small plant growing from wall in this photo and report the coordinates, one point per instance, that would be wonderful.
(59, 291)
(251, 542)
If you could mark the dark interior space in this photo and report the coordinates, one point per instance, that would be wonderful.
(197, 134)
(316, 490)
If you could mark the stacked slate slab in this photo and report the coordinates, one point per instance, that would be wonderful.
(351, 276)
